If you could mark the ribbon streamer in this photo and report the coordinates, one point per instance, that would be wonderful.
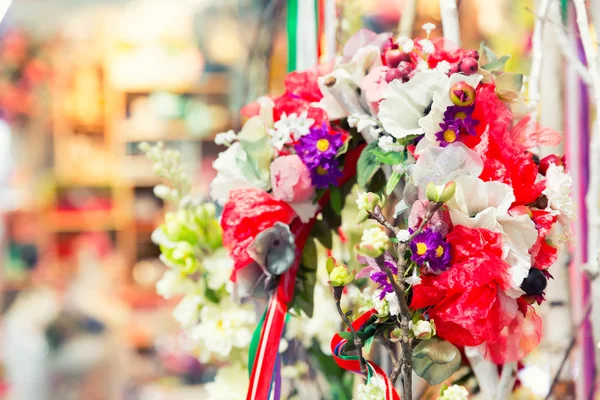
(352, 362)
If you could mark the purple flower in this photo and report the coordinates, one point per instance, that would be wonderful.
(449, 133)
(325, 173)
(375, 273)
(464, 115)
(429, 248)
(319, 144)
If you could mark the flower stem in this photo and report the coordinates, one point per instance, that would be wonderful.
(357, 341)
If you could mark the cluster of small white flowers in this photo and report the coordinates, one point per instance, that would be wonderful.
(427, 46)
(375, 238)
(365, 299)
(187, 312)
(393, 303)
(173, 283)
(226, 138)
(455, 392)
(374, 390)
(362, 122)
(362, 201)
(166, 163)
(290, 128)
(422, 327)
(406, 44)
(231, 382)
(382, 306)
(443, 66)
(388, 144)
(558, 191)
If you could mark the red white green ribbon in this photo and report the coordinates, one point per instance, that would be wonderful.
(352, 363)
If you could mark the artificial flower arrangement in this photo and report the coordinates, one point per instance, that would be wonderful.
(461, 219)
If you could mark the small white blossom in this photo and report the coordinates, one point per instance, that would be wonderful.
(294, 126)
(230, 383)
(365, 299)
(388, 144)
(173, 283)
(427, 46)
(399, 169)
(187, 312)
(382, 306)
(374, 390)
(414, 279)
(422, 329)
(226, 138)
(455, 392)
(393, 304)
(374, 241)
(443, 66)
(406, 44)
(428, 27)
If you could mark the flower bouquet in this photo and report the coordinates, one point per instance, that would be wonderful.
(460, 219)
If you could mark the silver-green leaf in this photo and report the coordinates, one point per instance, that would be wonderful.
(435, 360)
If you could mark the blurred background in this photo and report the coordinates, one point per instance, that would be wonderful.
(82, 83)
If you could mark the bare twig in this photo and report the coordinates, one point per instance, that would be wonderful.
(407, 20)
(537, 56)
(357, 341)
(508, 378)
(450, 25)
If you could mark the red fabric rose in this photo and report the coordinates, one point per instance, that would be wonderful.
(288, 104)
(542, 253)
(444, 51)
(247, 213)
(303, 85)
(467, 302)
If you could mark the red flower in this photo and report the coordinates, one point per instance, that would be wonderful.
(303, 85)
(444, 51)
(467, 301)
(247, 213)
(542, 253)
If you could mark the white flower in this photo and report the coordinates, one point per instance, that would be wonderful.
(455, 392)
(440, 165)
(231, 383)
(223, 327)
(364, 299)
(441, 101)
(290, 129)
(428, 27)
(427, 46)
(388, 144)
(479, 204)
(399, 169)
(374, 390)
(233, 172)
(406, 44)
(382, 306)
(219, 266)
(226, 138)
(402, 235)
(404, 103)
(187, 311)
(443, 66)
(393, 304)
(363, 121)
(414, 279)
(422, 329)
(558, 192)
(173, 283)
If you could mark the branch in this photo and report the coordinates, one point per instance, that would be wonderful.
(450, 25)
(485, 372)
(407, 20)
(507, 381)
(357, 341)
(537, 56)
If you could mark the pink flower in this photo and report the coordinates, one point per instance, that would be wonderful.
(373, 85)
(291, 180)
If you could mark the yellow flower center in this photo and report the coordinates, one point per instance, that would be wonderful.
(439, 251)
(449, 136)
(460, 115)
(421, 248)
(220, 324)
(322, 145)
(321, 171)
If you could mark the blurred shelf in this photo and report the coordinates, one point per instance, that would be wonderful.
(77, 221)
(175, 130)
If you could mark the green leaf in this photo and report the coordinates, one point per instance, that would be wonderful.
(435, 360)
(486, 54)
(346, 335)
(497, 65)
(304, 295)
(331, 218)
(392, 183)
(322, 232)
(377, 183)
(336, 199)
(368, 344)
(390, 158)
(368, 164)
(344, 148)
(509, 81)
(309, 255)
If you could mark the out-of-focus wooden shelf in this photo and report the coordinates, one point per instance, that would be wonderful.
(88, 220)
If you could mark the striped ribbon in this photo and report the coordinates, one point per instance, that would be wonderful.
(352, 363)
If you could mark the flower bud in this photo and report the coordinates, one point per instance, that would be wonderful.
(361, 217)
(396, 335)
(367, 201)
(340, 276)
(374, 242)
(439, 193)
